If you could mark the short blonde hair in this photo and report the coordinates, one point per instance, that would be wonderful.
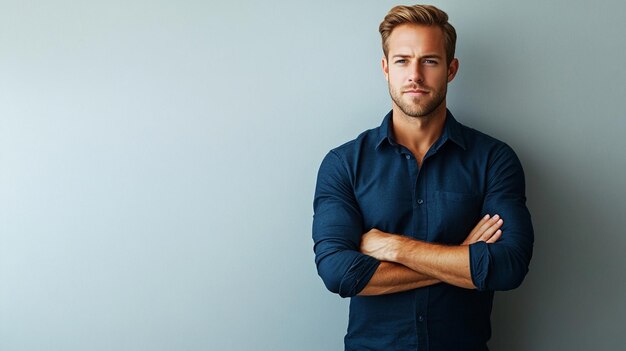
(426, 15)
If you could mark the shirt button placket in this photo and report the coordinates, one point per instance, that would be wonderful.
(422, 334)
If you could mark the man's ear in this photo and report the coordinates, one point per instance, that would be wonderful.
(385, 68)
(453, 67)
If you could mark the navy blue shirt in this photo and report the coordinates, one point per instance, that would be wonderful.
(373, 182)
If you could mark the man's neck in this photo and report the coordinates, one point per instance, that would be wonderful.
(418, 134)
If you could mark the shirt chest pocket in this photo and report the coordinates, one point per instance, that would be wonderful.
(453, 216)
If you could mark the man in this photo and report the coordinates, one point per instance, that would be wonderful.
(420, 219)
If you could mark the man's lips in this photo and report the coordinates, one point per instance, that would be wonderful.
(416, 92)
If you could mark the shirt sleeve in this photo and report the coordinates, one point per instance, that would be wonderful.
(503, 265)
(337, 231)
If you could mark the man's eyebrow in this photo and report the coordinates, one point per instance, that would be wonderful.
(431, 56)
(423, 56)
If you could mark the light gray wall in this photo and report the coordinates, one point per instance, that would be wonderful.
(158, 160)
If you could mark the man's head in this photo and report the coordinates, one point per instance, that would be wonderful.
(418, 43)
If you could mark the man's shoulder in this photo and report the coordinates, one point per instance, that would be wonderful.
(365, 141)
(347, 155)
(481, 140)
(487, 147)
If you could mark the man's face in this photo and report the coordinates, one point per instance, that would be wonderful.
(416, 69)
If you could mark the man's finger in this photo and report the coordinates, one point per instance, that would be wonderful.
(489, 232)
(495, 237)
(479, 224)
(489, 223)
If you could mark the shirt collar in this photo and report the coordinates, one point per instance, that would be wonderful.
(451, 131)
(385, 133)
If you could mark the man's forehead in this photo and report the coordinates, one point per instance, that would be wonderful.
(411, 37)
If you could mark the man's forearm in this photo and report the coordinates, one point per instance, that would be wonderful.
(435, 262)
(392, 277)
(449, 264)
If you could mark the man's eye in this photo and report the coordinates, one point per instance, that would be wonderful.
(401, 61)
(430, 62)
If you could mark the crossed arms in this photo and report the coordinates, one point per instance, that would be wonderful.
(410, 264)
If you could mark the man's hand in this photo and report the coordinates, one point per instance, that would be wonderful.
(487, 229)
(378, 244)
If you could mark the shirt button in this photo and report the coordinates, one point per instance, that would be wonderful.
(408, 157)
(420, 201)
(420, 318)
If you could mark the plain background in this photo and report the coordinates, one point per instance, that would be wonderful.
(158, 162)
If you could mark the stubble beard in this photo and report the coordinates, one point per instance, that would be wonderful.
(414, 109)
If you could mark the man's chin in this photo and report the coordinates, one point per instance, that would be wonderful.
(414, 111)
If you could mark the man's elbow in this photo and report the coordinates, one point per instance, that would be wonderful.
(520, 261)
(337, 283)
(340, 289)
(503, 269)
(347, 272)
(515, 279)
(512, 277)
(331, 281)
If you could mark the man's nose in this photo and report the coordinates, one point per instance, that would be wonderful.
(416, 74)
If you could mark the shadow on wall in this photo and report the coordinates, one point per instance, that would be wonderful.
(573, 287)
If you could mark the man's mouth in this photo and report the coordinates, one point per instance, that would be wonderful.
(416, 92)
